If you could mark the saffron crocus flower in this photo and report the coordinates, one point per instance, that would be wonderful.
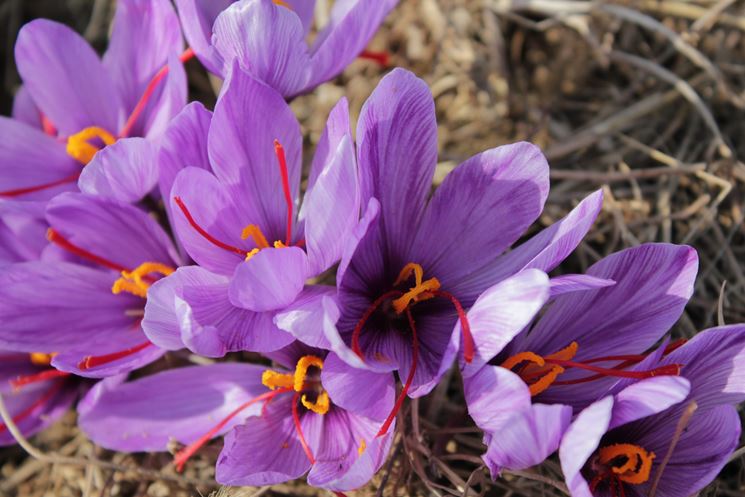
(268, 38)
(87, 311)
(629, 444)
(415, 266)
(587, 341)
(237, 218)
(34, 394)
(83, 103)
(312, 414)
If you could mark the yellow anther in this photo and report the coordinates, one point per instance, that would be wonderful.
(274, 380)
(251, 253)
(41, 359)
(320, 406)
(565, 354)
(282, 3)
(132, 281)
(516, 359)
(636, 467)
(254, 232)
(279, 244)
(81, 149)
(362, 447)
(535, 368)
(301, 370)
(422, 290)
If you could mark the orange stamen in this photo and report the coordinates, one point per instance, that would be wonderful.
(630, 463)
(184, 454)
(151, 86)
(283, 171)
(79, 145)
(205, 235)
(31, 189)
(299, 428)
(405, 390)
(48, 374)
(422, 290)
(95, 361)
(134, 281)
(257, 235)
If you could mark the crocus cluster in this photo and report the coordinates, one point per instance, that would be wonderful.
(138, 231)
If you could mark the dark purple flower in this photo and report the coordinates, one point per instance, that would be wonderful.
(86, 310)
(73, 104)
(268, 38)
(238, 216)
(314, 413)
(631, 442)
(588, 340)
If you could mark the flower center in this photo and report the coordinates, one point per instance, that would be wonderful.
(81, 145)
(619, 464)
(138, 281)
(41, 358)
(541, 372)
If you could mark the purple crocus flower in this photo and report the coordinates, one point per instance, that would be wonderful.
(414, 266)
(312, 414)
(632, 444)
(73, 104)
(87, 310)
(526, 384)
(34, 394)
(236, 215)
(268, 38)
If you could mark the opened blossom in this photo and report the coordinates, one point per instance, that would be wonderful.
(268, 38)
(74, 105)
(668, 438)
(527, 382)
(83, 304)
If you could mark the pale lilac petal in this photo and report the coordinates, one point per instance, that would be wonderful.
(361, 470)
(270, 280)
(648, 397)
(29, 158)
(144, 34)
(241, 149)
(25, 110)
(267, 40)
(331, 209)
(481, 208)
(125, 171)
(66, 78)
(363, 392)
(166, 102)
(355, 252)
(304, 9)
(500, 313)
(527, 438)
(577, 283)
(304, 317)
(337, 127)
(179, 404)
(351, 27)
(397, 154)
(197, 18)
(580, 442)
(493, 395)
(23, 230)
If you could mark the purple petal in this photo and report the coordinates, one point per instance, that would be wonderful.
(267, 40)
(29, 158)
(241, 148)
(270, 280)
(397, 154)
(648, 397)
(180, 404)
(528, 438)
(337, 127)
(116, 231)
(480, 209)
(23, 230)
(577, 283)
(265, 450)
(125, 171)
(363, 392)
(25, 110)
(500, 313)
(166, 102)
(331, 209)
(197, 18)
(144, 34)
(350, 29)
(304, 9)
(580, 442)
(359, 472)
(493, 395)
(304, 317)
(66, 78)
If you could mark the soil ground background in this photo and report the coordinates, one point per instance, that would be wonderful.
(644, 99)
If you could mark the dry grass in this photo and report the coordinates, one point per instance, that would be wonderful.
(642, 98)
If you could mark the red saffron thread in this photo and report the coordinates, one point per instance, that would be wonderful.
(468, 343)
(55, 237)
(184, 454)
(299, 428)
(280, 153)
(365, 316)
(669, 369)
(151, 86)
(99, 360)
(47, 126)
(45, 375)
(379, 57)
(204, 233)
(31, 189)
(38, 403)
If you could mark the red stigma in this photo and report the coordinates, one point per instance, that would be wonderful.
(45, 186)
(47, 126)
(405, 390)
(48, 374)
(280, 153)
(148, 93)
(667, 370)
(204, 233)
(55, 237)
(95, 361)
(38, 403)
(468, 343)
(184, 454)
(380, 57)
(299, 428)
(365, 316)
